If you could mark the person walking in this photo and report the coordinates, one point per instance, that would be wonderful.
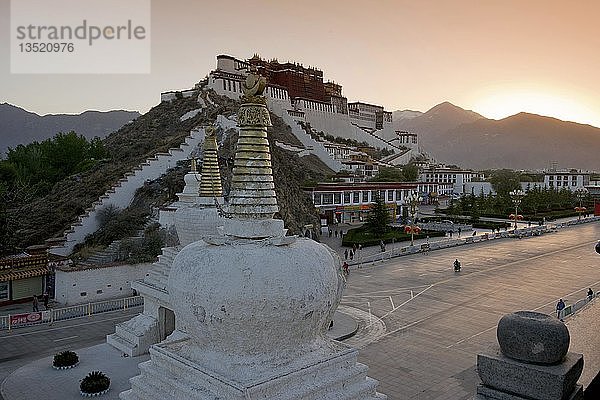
(345, 268)
(590, 294)
(346, 254)
(560, 306)
(45, 299)
(36, 304)
(456, 265)
(351, 255)
(459, 231)
(336, 233)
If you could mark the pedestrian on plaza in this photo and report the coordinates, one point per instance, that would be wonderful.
(529, 223)
(45, 299)
(346, 254)
(36, 303)
(330, 232)
(354, 247)
(590, 293)
(351, 255)
(451, 233)
(559, 307)
(459, 231)
(474, 232)
(345, 268)
(336, 233)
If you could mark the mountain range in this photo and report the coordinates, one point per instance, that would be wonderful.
(453, 135)
(19, 126)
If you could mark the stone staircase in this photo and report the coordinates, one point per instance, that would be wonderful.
(122, 192)
(309, 143)
(135, 336)
(158, 276)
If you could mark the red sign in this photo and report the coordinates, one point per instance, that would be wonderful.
(597, 209)
(28, 318)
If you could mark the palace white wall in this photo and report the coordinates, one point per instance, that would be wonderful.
(97, 283)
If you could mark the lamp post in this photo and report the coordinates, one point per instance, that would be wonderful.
(580, 193)
(517, 196)
(413, 200)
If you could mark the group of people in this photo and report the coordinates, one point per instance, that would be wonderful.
(36, 302)
(560, 306)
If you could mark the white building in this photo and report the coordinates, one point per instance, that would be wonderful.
(443, 174)
(571, 179)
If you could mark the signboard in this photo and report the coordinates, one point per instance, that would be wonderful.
(597, 209)
(28, 318)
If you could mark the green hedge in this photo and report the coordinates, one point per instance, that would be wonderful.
(365, 238)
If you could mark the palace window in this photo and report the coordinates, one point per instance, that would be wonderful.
(356, 197)
(317, 199)
(365, 196)
(3, 290)
(337, 198)
(327, 198)
(390, 195)
(346, 197)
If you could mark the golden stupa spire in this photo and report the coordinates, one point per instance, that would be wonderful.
(252, 195)
(210, 181)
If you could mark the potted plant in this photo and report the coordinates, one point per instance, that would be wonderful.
(94, 384)
(65, 360)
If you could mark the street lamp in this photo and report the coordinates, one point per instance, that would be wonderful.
(413, 200)
(581, 194)
(517, 196)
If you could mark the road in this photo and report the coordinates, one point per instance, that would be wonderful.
(437, 321)
(24, 345)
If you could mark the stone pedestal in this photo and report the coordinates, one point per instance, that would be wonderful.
(532, 361)
(505, 378)
(175, 371)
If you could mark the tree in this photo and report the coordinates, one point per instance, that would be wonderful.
(387, 174)
(378, 218)
(410, 172)
(505, 181)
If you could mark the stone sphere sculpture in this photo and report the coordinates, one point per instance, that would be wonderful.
(533, 337)
(251, 297)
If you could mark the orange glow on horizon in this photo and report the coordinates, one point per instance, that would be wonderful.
(510, 101)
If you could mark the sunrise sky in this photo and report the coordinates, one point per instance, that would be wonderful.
(495, 57)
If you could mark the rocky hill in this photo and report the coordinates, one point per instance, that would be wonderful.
(522, 141)
(156, 131)
(18, 126)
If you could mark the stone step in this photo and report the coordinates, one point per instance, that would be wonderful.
(120, 343)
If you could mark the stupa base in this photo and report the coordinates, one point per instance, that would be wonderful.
(320, 375)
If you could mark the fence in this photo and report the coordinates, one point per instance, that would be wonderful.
(573, 308)
(61, 314)
(519, 233)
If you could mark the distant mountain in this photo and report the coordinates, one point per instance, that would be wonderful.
(18, 126)
(522, 141)
(404, 115)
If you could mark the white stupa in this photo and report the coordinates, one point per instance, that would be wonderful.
(197, 215)
(252, 305)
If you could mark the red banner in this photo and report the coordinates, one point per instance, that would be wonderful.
(28, 318)
(597, 209)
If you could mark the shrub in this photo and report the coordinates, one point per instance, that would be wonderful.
(366, 238)
(65, 359)
(94, 382)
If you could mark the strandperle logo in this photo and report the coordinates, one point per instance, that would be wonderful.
(85, 31)
(91, 36)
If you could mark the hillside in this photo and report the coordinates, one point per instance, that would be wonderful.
(18, 126)
(523, 141)
(156, 131)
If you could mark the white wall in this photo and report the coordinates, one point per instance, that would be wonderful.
(98, 284)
